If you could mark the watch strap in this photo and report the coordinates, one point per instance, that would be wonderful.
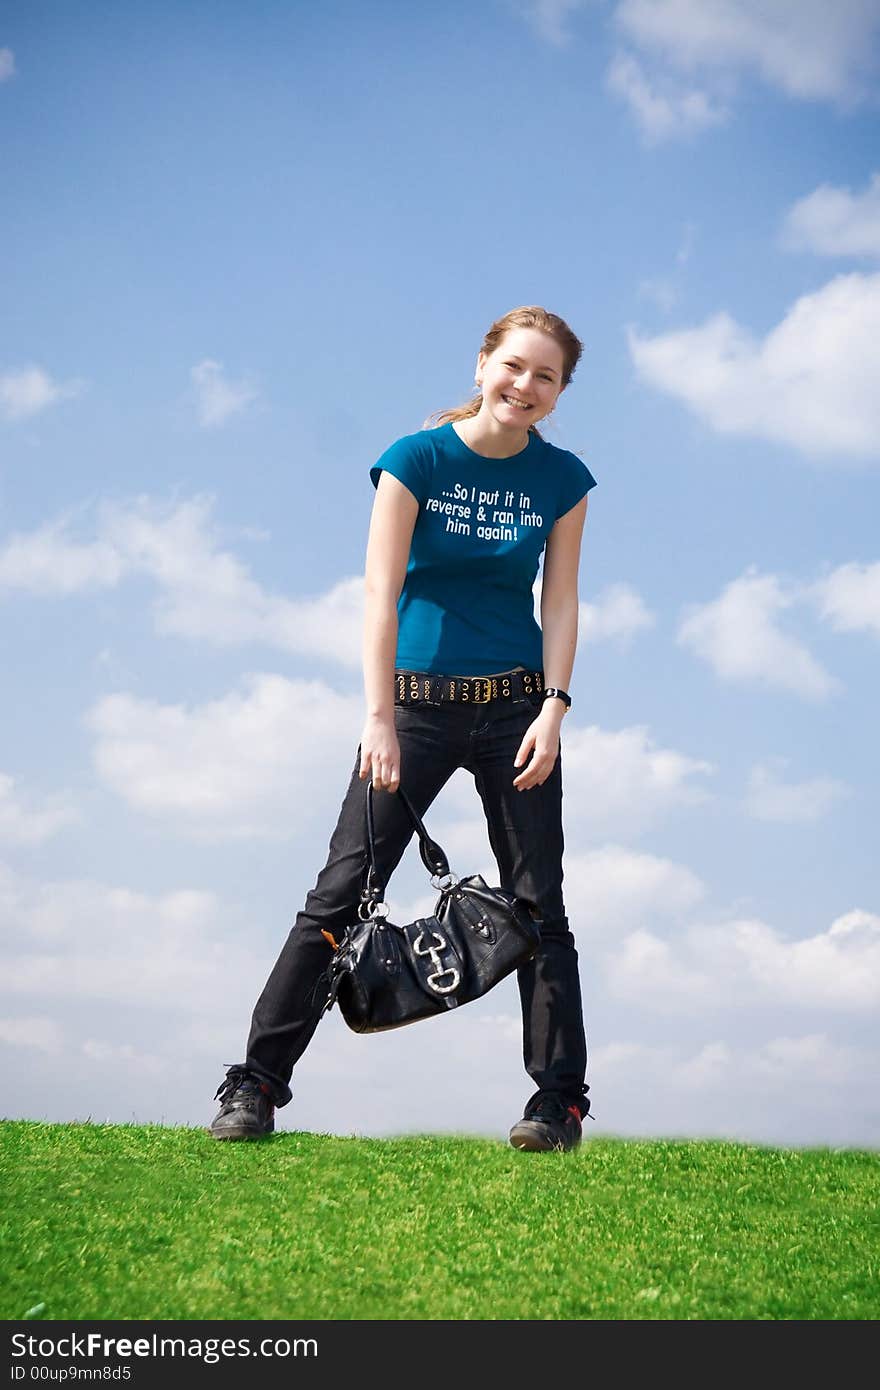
(552, 692)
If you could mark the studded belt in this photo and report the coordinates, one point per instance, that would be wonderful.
(419, 687)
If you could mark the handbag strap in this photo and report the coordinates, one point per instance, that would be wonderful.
(433, 857)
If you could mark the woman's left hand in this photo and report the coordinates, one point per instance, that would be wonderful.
(541, 739)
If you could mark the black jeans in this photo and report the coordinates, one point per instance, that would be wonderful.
(525, 832)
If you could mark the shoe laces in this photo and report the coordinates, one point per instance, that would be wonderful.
(553, 1107)
(238, 1079)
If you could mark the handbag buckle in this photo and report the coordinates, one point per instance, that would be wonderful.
(422, 946)
(443, 882)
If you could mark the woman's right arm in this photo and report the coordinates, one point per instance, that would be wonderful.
(394, 516)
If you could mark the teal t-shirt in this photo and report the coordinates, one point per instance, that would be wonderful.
(467, 607)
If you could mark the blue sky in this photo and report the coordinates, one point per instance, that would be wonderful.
(248, 247)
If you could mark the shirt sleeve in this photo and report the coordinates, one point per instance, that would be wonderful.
(409, 461)
(576, 483)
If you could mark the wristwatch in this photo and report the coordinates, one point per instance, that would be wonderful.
(552, 692)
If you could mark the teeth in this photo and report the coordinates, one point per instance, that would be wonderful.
(521, 404)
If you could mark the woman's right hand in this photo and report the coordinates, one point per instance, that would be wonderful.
(380, 754)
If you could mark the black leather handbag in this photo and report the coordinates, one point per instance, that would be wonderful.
(384, 976)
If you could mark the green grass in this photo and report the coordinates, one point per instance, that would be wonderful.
(147, 1222)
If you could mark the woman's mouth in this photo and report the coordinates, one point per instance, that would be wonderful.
(520, 405)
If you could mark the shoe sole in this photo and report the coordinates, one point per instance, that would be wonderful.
(240, 1134)
(533, 1138)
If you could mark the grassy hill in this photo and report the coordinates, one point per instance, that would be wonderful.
(147, 1222)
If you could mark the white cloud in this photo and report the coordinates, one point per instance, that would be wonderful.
(20, 825)
(123, 1055)
(76, 941)
(217, 397)
(813, 382)
(756, 1089)
(7, 64)
(663, 110)
(42, 1034)
(836, 222)
(613, 890)
(29, 390)
(327, 625)
(839, 968)
(618, 612)
(771, 799)
(549, 18)
(208, 593)
(813, 1055)
(663, 292)
(709, 1067)
(809, 49)
(738, 636)
(618, 783)
(248, 764)
(686, 245)
(747, 962)
(648, 970)
(718, 1064)
(849, 598)
(47, 562)
(205, 591)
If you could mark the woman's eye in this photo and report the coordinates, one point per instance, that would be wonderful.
(544, 376)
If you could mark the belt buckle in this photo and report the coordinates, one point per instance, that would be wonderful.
(483, 699)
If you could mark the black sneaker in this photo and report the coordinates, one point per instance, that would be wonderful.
(548, 1123)
(247, 1111)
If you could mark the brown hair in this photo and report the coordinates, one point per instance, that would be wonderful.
(527, 316)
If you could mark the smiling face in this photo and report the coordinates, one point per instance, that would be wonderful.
(522, 379)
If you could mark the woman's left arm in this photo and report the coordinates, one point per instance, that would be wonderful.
(559, 625)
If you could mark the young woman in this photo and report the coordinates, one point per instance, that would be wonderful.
(457, 673)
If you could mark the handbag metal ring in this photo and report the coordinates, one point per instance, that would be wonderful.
(443, 882)
(367, 911)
